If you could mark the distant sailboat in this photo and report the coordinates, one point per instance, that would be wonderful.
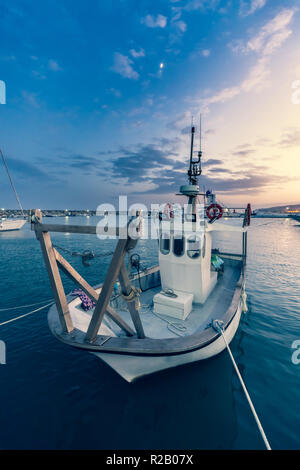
(7, 225)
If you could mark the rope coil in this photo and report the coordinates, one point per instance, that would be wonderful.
(133, 296)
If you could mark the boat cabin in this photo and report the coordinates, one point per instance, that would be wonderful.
(185, 262)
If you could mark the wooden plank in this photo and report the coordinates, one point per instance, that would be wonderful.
(126, 289)
(106, 291)
(111, 313)
(120, 232)
(56, 283)
(81, 282)
(84, 229)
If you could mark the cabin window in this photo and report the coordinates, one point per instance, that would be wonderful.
(204, 246)
(165, 244)
(178, 246)
(194, 247)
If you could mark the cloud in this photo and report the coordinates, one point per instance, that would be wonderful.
(81, 164)
(180, 121)
(290, 138)
(205, 52)
(180, 25)
(38, 74)
(122, 66)
(212, 161)
(137, 54)
(159, 169)
(222, 96)
(272, 34)
(186, 130)
(218, 170)
(26, 170)
(151, 21)
(255, 181)
(243, 153)
(248, 8)
(270, 37)
(210, 132)
(53, 65)
(31, 99)
(178, 28)
(115, 92)
(193, 5)
(140, 162)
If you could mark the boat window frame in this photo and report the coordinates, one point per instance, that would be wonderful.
(183, 238)
(187, 247)
(168, 237)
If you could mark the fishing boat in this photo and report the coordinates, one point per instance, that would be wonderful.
(149, 320)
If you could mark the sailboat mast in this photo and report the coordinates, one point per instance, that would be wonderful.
(11, 182)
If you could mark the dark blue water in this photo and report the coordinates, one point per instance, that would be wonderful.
(55, 397)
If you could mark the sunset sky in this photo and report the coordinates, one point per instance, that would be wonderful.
(100, 96)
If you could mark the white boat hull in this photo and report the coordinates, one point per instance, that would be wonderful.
(133, 367)
(8, 225)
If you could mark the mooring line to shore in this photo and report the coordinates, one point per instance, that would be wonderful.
(26, 314)
(218, 326)
(23, 306)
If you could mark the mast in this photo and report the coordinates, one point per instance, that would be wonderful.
(200, 147)
(191, 154)
(11, 182)
(195, 164)
(192, 189)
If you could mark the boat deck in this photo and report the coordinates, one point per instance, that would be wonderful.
(162, 326)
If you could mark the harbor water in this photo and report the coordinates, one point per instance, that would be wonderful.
(55, 397)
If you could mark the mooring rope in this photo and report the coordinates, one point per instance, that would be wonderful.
(26, 314)
(268, 223)
(23, 306)
(172, 325)
(85, 255)
(218, 326)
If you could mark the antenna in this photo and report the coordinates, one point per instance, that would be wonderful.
(200, 147)
(194, 169)
(200, 133)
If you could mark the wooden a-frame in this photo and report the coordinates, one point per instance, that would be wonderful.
(117, 270)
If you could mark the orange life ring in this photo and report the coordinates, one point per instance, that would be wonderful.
(214, 211)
